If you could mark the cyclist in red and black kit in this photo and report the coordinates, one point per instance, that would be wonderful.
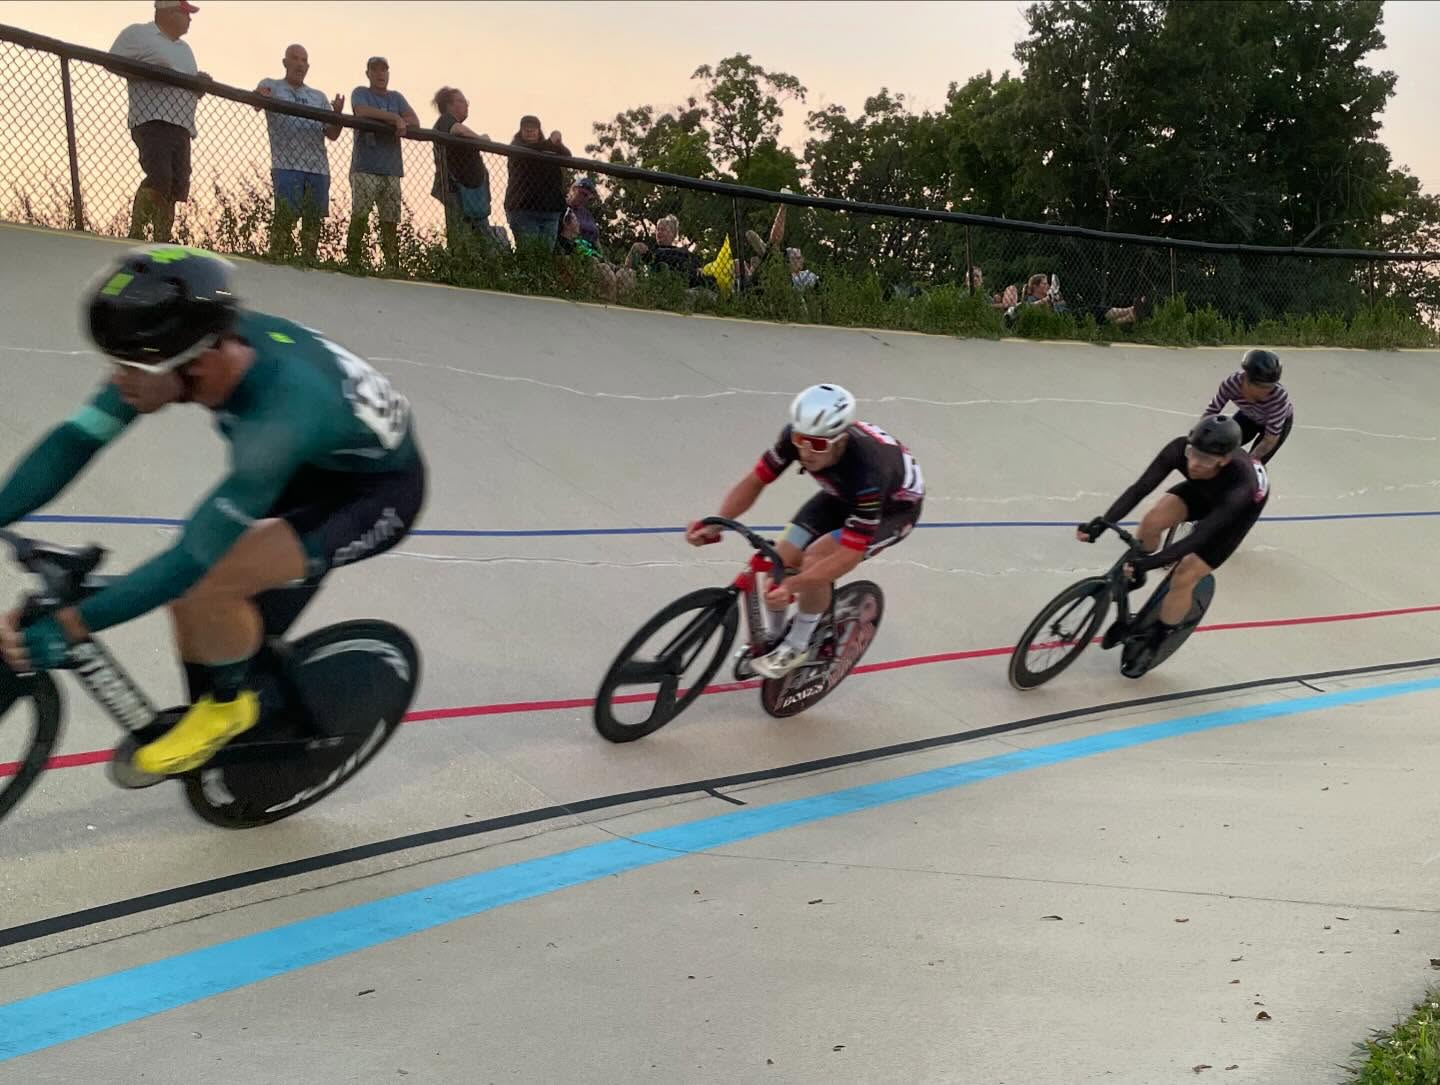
(1224, 491)
(872, 493)
(1262, 406)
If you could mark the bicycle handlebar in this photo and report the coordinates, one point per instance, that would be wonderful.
(777, 567)
(1129, 539)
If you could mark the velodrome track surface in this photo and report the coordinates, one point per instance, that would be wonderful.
(461, 913)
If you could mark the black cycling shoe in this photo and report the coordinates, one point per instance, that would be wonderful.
(1114, 635)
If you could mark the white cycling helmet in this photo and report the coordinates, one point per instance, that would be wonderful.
(822, 410)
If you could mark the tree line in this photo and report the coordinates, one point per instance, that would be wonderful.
(1253, 122)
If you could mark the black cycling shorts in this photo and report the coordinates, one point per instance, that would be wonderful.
(1251, 429)
(346, 516)
(825, 514)
(1217, 550)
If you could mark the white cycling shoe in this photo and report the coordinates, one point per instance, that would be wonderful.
(780, 661)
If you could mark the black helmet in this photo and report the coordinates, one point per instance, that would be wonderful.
(161, 305)
(1215, 434)
(1261, 366)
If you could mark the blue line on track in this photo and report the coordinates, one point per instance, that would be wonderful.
(91, 1006)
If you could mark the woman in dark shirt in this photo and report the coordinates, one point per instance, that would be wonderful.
(462, 183)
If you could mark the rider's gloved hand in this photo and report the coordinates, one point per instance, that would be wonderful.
(39, 646)
(697, 535)
(1091, 531)
(1136, 568)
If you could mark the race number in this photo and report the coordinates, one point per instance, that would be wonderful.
(372, 398)
(1262, 481)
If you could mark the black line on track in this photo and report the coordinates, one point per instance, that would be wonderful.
(724, 798)
(163, 898)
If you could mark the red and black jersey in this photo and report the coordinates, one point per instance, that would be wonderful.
(875, 474)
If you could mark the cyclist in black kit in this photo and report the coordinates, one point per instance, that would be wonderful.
(872, 495)
(1224, 492)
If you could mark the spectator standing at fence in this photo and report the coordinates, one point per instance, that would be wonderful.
(376, 164)
(161, 116)
(299, 164)
(462, 183)
(535, 191)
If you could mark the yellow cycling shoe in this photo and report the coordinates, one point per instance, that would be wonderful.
(199, 735)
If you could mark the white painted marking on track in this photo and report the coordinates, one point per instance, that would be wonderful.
(728, 392)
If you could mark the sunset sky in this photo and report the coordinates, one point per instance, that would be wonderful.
(575, 63)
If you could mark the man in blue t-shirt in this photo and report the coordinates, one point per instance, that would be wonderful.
(375, 164)
(299, 165)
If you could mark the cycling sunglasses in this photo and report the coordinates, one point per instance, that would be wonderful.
(814, 444)
(1204, 459)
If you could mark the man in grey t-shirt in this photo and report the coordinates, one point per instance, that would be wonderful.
(161, 116)
(375, 162)
(299, 165)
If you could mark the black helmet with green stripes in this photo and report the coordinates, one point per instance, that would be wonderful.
(161, 306)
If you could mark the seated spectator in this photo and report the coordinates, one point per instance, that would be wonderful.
(535, 191)
(570, 243)
(666, 253)
(801, 277)
(462, 183)
(582, 193)
(975, 281)
(1045, 291)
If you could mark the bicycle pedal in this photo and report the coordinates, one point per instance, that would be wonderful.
(123, 773)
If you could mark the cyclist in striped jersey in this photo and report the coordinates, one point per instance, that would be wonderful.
(1263, 407)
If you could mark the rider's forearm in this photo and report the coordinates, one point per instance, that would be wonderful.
(1153, 476)
(1265, 446)
(741, 496)
(164, 577)
(45, 471)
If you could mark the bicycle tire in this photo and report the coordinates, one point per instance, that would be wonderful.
(264, 792)
(791, 695)
(723, 605)
(1020, 675)
(44, 698)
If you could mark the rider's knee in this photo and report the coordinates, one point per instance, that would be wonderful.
(1189, 572)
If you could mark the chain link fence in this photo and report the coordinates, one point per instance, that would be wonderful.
(488, 213)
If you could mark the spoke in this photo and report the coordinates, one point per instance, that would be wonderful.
(696, 633)
(635, 672)
(666, 697)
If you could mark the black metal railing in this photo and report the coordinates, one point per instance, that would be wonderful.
(74, 164)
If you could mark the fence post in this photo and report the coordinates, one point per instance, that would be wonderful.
(1172, 271)
(737, 254)
(78, 209)
(969, 262)
(1372, 283)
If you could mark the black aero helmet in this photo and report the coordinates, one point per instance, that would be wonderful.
(1261, 366)
(161, 305)
(1215, 434)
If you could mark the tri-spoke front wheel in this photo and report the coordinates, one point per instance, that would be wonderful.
(663, 655)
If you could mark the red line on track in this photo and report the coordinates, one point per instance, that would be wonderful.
(96, 757)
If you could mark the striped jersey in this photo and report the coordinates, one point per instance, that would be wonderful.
(874, 475)
(1271, 412)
